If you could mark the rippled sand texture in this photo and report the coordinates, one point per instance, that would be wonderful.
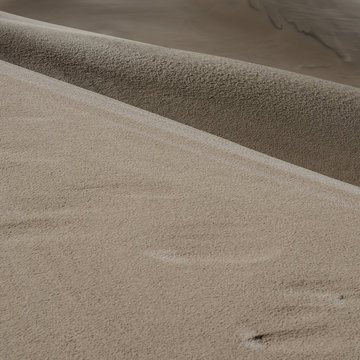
(125, 235)
(229, 28)
(336, 23)
(303, 120)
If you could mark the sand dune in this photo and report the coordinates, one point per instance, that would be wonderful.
(229, 28)
(125, 235)
(303, 120)
(336, 23)
(146, 211)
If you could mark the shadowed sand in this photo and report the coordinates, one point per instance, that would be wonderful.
(125, 235)
(229, 28)
(303, 120)
(336, 23)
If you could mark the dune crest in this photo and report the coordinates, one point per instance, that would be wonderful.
(229, 28)
(302, 120)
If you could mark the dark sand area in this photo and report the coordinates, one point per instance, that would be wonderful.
(334, 23)
(229, 28)
(302, 120)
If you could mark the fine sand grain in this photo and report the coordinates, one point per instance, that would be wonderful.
(125, 235)
(302, 120)
(146, 210)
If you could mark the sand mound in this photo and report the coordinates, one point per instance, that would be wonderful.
(303, 120)
(226, 28)
(125, 235)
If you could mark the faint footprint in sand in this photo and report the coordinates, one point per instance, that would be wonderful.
(321, 298)
(332, 299)
(253, 341)
(256, 341)
(313, 67)
(169, 256)
(242, 340)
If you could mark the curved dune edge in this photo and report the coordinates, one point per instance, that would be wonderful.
(302, 120)
(127, 235)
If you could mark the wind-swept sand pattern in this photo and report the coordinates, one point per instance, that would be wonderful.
(96, 193)
(336, 23)
(302, 120)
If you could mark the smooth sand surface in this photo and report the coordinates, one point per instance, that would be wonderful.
(125, 235)
(299, 119)
(336, 23)
(229, 28)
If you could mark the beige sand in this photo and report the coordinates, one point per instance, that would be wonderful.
(125, 235)
(305, 121)
(227, 28)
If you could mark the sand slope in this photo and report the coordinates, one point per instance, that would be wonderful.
(125, 235)
(303, 120)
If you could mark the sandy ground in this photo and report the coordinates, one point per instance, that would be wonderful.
(229, 28)
(302, 120)
(125, 235)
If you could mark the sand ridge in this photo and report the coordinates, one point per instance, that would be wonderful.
(302, 120)
(228, 28)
